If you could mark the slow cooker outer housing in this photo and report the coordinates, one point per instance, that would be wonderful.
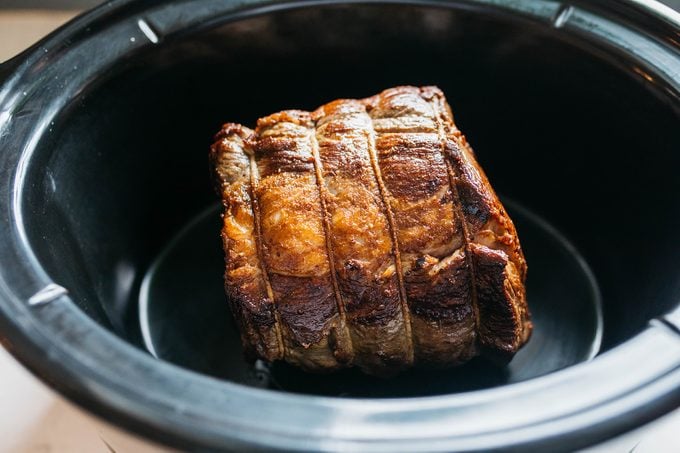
(623, 388)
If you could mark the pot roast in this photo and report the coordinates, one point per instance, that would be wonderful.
(365, 234)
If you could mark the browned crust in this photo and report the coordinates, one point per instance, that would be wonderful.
(294, 243)
(245, 281)
(498, 288)
(439, 274)
(436, 273)
(408, 322)
(488, 229)
(362, 247)
(342, 347)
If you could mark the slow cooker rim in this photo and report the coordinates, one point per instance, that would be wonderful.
(17, 323)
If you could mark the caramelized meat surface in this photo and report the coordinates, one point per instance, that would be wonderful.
(365, 234)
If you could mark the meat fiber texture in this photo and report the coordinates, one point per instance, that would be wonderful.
(365, 234)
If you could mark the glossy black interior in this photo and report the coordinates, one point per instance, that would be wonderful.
(581, 140)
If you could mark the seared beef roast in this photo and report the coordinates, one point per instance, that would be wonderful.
(366, 234)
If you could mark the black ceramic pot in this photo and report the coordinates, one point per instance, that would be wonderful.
(110, 274)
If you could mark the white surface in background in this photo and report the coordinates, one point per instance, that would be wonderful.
(33, 419)
(20, 28)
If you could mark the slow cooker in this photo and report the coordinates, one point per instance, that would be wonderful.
(110, 268)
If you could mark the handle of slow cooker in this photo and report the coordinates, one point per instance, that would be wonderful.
(672, 319)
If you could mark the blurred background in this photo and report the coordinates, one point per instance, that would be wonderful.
(34, 419)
